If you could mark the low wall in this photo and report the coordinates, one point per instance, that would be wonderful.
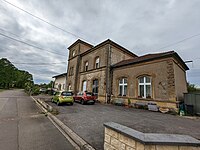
(168, 104)
(119, 137)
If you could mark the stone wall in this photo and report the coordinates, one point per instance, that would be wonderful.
(119, 137)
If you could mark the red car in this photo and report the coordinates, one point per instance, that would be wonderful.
(85, 97)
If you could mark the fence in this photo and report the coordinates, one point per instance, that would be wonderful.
(194, 100)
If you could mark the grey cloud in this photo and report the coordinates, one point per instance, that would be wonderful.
(142, 26)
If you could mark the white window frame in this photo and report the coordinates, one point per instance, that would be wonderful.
(86, 65)
(97, 61)
(84, 85)
(123, 84)
(144, 85)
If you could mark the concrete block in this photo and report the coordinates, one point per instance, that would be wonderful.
(188, 148)
(150, 147)
(139, 146)
(111, 133)
(114, 142)
(122, 146)
(165, 147)
(107, 138)
(126, 140)
(129, 148)
(108, 146)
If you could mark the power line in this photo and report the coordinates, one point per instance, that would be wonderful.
(179, 41)
(38, 64)
(9, 37)
(44, 20)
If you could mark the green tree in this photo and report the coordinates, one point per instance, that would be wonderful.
(10, 76)
(192, 88)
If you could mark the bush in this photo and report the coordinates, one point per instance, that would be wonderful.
(35, 90)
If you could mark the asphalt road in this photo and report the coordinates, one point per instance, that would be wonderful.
(24, 127)
(87, 121)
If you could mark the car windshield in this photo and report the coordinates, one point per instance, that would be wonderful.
(66, 94)
(89, 94)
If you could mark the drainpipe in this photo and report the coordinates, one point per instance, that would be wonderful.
(108, 79)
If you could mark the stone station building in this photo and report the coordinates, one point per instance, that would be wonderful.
(113, 72)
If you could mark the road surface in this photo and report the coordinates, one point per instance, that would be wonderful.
(24, 127)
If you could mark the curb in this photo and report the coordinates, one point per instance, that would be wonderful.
(83, 145)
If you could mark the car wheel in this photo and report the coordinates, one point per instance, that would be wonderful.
(82, 102)
(93, 103)
(72, 103)
(58, 103)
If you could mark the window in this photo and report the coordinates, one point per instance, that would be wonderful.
(95, 87)
(67, 94)
(84, 86)
(73, 53)
(86, 66)
(69, 87)
(97, 62)
(71, 71)
(63, 86)
(144, 87)
(123, 87)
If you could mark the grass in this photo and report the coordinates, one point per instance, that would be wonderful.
(1, 90)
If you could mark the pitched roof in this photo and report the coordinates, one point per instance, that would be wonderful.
(108, 41)
(150, 57)
(60, 75)
(80, 41)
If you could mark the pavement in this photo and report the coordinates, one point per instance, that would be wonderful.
(24, 127)
(87, 121)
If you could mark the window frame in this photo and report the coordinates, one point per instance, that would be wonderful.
(123, 84)
(84, 81)
(144, 84)
(86, 66)
(73, 53)
(97, 62)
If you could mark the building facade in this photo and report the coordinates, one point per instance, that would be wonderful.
(60, 82)
(112, 72)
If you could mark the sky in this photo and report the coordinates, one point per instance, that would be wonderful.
(141, 26)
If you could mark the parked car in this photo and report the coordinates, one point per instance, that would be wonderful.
(85, 97)
(43, 90)
(63, 97)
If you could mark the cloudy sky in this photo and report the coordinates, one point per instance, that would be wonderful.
(142, 26)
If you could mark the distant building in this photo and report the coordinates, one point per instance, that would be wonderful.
(112, 72)
(60, 81)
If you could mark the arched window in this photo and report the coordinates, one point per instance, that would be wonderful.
(69, 87)
(144, 87)
(97, 63)
(95, 86)
(122, 87)
(86, 66)
(84, 86)
(73, 53)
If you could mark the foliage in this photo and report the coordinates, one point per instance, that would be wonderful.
(192, 88)
(11, 77)
(35, 90)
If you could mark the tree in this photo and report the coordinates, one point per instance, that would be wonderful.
(192, 88)
(10, 76)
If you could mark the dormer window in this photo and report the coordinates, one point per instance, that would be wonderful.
(86, 66)
(97, 63)
(73, 53)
